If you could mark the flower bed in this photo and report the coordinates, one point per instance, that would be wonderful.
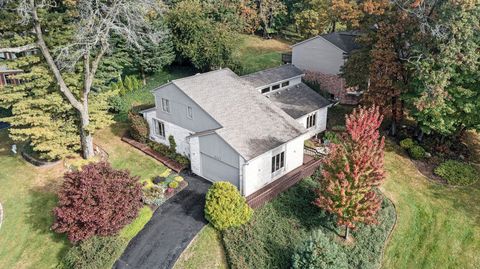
(161, 188)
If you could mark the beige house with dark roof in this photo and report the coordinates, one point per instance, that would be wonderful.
(247, 130)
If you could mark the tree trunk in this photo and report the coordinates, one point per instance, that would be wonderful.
(85, 136)
(144, 77)
(334, 26)
(393, 127)
(347, 232)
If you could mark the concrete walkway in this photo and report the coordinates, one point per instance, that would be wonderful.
(173, 225)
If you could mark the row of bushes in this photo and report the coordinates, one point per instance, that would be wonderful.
(140, 132)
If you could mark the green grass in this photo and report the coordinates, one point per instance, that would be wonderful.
(28, 197)
(132, 229)
(438, 226)
(205, 251)
(279, 227)
(256, 53)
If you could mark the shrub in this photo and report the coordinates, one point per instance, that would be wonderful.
(95, 252)
(155, 195)
(118, 104)
(417, 152)
(138, 127)
(167, 152)
(407, 143)
(173, 144)
(173, 185)
(331, 137)
(225, 207)
(457, 173)
(98, 200)
(318, 251)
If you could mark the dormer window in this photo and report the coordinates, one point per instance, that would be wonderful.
(265, 90)
(166, 105)
(285, 84)
(275, 87)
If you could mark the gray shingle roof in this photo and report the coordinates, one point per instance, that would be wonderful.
(272, 75)
(252, 124)
(298, 100)
(343, 40)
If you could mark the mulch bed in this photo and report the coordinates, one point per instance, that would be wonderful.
(426, 169)
(181, 185)
(175, 166)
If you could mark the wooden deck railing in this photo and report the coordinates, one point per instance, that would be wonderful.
(282, 184)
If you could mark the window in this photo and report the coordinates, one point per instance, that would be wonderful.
(265, 90)
(278, 162)
(285, 84)
(189, 112)
(166, 105)
(311, 120)
(275, 87)
(159, 128)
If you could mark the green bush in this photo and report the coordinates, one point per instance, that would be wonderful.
(138, 127)
(173, 184)
(407, 143)
(225, 207)
(167, 152)
(417, 152)
(457, 173)
(95, 252)
(318, 251)
(117, 104)
(331, 137)
(173, 144)
(155, 195)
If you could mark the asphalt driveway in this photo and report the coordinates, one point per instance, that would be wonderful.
(173, 225)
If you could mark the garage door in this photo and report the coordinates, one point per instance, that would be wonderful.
(216, 170)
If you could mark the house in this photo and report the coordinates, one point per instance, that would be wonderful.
(7, 74)
(322, 58)
(247, 130)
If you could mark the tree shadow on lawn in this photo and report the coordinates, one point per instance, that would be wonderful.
(40, 214)
(297, 205)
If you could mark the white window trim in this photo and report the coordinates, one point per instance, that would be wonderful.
(166, 105)
(189, 108)
(281, 169)
(314, 122)
(156, 125)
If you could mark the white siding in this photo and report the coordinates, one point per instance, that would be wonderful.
(195, 155)
(318, 55)
(179, 134)
(321, 122)
(257, 172)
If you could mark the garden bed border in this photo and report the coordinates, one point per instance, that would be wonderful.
(175, 166)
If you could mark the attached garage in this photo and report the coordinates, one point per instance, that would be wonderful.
(216, 170)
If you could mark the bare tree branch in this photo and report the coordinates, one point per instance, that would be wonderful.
(19, 49)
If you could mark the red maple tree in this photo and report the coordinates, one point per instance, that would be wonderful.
(352, 171)
(98, 200)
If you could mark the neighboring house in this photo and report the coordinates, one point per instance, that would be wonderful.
(322, 58)
(246, 130)
(7, 75)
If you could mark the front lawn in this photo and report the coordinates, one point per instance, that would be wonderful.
(205, 251)
(28, 196)
(279, 227)
(438, 226)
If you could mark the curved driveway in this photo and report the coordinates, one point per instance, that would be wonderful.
(173, 225)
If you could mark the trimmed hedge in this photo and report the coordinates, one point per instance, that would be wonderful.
(169, 153)
(93, 253)
(225, 207)
(417, 152)
(138, 127)
(319, 252)
(457, 173)
(407, 143)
